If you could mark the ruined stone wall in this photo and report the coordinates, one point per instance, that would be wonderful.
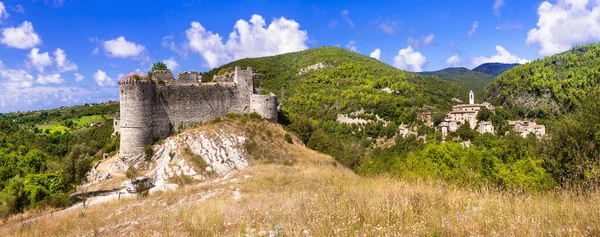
(188, 77)
(265, 105)
(185, 104)
(164, 75)
(151, 110)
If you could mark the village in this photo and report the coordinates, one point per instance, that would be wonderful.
(467, 114)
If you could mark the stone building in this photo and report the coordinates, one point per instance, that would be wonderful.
(153, 109)
(525, 127)
(425, 117)
(486, 127)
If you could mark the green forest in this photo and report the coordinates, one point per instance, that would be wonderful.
(39, 168)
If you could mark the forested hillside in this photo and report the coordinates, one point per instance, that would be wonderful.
(39, 167)
(551, 86)
(495, 69)
(468, 79)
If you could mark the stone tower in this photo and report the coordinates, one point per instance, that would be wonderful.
(471, 97)
(136, 96)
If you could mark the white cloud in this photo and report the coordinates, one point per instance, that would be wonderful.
(50, 79)
(515, 25)
(428, 39)
(21, 37)
(497, 6)
(121, 48)
(376, 54)
(3, 12)
(96, 51)
(39, 60)
(408, 59)
(503, 56)
(352, 46)
(423, 41)
(46, 97)
(171, 63)
(63, 64)
(249, 39)
(388, 26)
(473, 28)
(13, 79)
(345, 14)
(564, 24)
(102, 79)
(453, 61)
(79, 77)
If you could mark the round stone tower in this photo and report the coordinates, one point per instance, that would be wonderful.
(137, 98)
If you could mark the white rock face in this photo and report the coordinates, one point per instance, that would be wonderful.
(222, 152)
(311, 67)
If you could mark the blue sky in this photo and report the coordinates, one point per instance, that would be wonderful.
(65, 52)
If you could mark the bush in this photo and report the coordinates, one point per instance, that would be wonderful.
(148, 152)
(288, 138)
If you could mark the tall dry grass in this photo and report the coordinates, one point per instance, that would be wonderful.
(313, 196)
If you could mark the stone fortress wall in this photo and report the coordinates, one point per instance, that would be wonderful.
(151, 110)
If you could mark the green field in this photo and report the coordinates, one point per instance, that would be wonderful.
(82, 122)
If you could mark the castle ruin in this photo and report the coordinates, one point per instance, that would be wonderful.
(153, 109)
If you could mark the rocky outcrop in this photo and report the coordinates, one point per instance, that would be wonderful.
(199, 155)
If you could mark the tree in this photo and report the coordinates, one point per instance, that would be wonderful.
(158, 66)
(484, 114)
(465, 132)
(76, 165)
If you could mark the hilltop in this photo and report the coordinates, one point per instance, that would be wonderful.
(495, 69)
(468, 79)
(323, 82)
(295, 191)
(548, 87)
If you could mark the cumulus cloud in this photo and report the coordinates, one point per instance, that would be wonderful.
(564, 24)
(50, 79)
(3, 12)
(39, 60)
(45, 97)
(376, 54)
(21, 37)
(62, 63)
(352, 46)
(171, 63)
(249, 39)
(408, 59)
(79, 77)
(497, 6)
(102, 79)
(502, 56)
(453, 61)
(14, 78)
(121, 48)
(473, 28)
(345, 14)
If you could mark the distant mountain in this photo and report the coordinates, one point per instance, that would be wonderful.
(467, 79)
(494, 69)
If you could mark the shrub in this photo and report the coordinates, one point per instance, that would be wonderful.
(288, 138)
(148, 152)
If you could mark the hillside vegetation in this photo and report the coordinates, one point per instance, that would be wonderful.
(39, 168)
(349, 82)
(494, 69)
(468, 79)
(310, 194)
(551, 86)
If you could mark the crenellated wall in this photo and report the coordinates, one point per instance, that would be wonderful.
(151, 111)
